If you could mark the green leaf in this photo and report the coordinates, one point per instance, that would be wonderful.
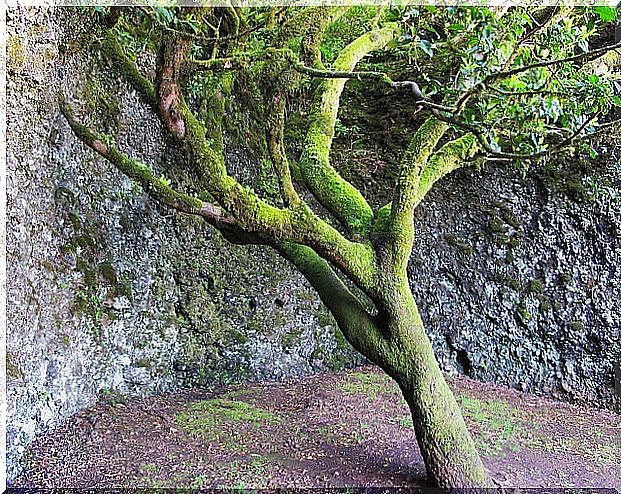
(616, 100)
(592, 153)
(426, 47)
(606, 14)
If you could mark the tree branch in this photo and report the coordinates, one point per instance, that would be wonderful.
(359, 75)
(353, 320)
(172, 60)
(274, 131)
(337, 195)
(413, 164)
(502, 75)
(127, 69)
(583, 57)
(405, 195)
(549, 14)
(451, 156)
(251, 215)
(155, 187)
(337, 74)
(524, 156)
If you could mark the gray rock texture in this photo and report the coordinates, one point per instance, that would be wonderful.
(520, 283)
(110, 294)
(107, 292)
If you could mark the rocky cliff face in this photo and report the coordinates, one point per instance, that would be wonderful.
(519, 280)
(110, 294)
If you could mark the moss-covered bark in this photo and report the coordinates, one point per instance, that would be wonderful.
(395, 339)
(450, 455)
(357, 325)
(337, 195)
(405, 196)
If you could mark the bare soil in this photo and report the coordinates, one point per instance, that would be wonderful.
(350, 429)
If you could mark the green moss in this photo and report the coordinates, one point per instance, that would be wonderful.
(536, 286)
(514, 242)
(206, 417)
(448, 158)
(48, 266)
(511, 219)
(124, 221)
(460, 243)
(85, 267)
(237, 336)
(108, 273)
(566, 179)
(337, 195)
(524, 313)
(111, 396)
(368, 384)
(124, 287)
(75, 220)
(324, 319)
(508, 216)
(495, 424)
(576, 326)
(577, 188)
(16, 54)
(511, 282)
(91, 306)
(566, 278)
(292, 338)
(144, 363)
(497, 226)
(101, 101)
(268, 181)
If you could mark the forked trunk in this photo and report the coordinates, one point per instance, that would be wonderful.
(395, 339)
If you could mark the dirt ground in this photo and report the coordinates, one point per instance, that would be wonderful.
(350, 429)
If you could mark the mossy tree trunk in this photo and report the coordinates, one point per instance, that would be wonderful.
(375, 309)
(448, 450)
(395, 339)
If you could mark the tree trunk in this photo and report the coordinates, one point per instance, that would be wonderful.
(449, 453)
(395, 339)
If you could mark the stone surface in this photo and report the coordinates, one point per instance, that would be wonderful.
(108, 293)
(520, 283)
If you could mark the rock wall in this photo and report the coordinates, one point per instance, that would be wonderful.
(519, 280)
(109, 294)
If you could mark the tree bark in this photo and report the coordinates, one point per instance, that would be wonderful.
(396, 340)
(447, 448)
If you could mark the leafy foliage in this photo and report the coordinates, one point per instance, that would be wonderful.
(459, 50)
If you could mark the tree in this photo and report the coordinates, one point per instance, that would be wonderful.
(513, 85)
